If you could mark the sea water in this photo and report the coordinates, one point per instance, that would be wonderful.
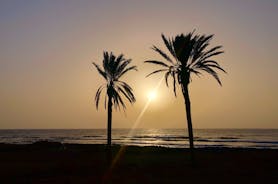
(172, 138)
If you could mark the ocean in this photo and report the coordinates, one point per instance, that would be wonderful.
(171, 138)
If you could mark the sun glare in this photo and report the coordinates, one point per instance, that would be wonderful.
(152, 95)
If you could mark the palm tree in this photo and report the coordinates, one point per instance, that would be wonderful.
(189, 55)
(113, 68)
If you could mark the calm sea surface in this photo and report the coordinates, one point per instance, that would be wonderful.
(173, 138)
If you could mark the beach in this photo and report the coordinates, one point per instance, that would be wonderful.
(54, 162)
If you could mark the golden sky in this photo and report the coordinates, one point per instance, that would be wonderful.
(47, 47)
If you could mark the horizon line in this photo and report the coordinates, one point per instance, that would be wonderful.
(246, 128)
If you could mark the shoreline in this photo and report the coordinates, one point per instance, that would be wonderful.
(45, 143)
(50, 143)
(53, 162)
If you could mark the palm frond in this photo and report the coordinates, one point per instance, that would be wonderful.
(105, 62)
(122, 66)
(169, 46)
(114, 68)
(198, 52)
(204, 40)
(98, 93)
(210, 62)
(211, 54)
(184, 47)
(118, 102)
(213, 73)
(167, 74)
(128, 69)
(191, 55)
(119, 59)
(195, 72)
(216, 66)
(174, 83)
(128, 90)
(201, 43)
(127, 93)
(163, 54)
(100, 71)
(105, 101)
(157, 63)
(126, 87)
(156, 71)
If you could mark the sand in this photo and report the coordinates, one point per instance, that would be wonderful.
(71, 163)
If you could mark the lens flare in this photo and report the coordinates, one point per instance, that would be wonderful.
(152, 95)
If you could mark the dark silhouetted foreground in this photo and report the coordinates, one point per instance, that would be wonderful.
(57, 163)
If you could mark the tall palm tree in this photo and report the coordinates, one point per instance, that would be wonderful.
(113, 68)
(189, 55)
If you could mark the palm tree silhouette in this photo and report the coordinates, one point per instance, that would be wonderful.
(113, 68)
(189, 56)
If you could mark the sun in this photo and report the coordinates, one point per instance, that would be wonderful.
(152, 95)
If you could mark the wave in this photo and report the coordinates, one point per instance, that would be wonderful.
(91, 136)
(228, 138)
(239, 141)
(156, 137)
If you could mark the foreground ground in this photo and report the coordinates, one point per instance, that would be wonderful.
(56, 163)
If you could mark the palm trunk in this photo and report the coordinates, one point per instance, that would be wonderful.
(188, 116)
(109, 121)
(109, 125)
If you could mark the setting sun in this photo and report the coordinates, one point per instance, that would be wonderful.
(152, 95)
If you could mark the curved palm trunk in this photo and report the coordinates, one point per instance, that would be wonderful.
(188, 116)
(109, 121)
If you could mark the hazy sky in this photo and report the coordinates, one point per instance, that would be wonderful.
(47, 47)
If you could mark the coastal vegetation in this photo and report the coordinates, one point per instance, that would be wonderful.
(113, 68)
(189, 55)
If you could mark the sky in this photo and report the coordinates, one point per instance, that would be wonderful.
(47, 79)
